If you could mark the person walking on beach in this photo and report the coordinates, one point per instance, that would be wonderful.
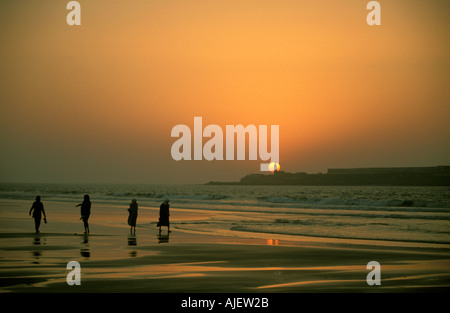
(164, 216)
(38, 210)
(132, 216)
(85, 212)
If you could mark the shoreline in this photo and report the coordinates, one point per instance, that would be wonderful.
(189, 261)
(193, 263)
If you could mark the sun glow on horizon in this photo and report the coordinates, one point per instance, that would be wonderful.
(273, 165)
(97, 102)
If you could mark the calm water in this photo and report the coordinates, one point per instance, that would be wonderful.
(412, 214)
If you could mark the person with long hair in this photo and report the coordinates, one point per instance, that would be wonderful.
(85, 212)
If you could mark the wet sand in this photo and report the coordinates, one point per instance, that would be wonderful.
(112, 260)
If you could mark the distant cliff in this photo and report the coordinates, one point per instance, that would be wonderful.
(390, 176)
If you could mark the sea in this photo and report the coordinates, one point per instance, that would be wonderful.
(384, 213)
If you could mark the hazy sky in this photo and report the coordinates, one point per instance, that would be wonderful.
(97, 102)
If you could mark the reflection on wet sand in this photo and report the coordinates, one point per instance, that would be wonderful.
(268, 265)
(163, 238)
(85, 251)
(36, 253)
(132, 241)
(36, 256)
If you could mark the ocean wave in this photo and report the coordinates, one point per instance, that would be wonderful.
(270, 199)
(334, 201)
(379, 215)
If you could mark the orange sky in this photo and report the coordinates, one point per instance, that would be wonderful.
(97, 102)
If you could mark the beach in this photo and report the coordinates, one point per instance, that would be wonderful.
(112, 260)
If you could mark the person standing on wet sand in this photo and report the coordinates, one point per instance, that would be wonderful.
(38, 208)
(164, 216)
(85, 212)
(132, 217)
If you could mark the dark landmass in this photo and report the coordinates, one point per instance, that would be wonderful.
(388, 176)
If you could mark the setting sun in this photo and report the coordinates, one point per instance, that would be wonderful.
(274, 167)
(151, 131)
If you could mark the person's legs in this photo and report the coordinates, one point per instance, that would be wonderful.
(37, 223)
(86, 227)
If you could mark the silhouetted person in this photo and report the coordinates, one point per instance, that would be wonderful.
(38, 210)
(85, 212)
(132, 216)
(164, 216)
